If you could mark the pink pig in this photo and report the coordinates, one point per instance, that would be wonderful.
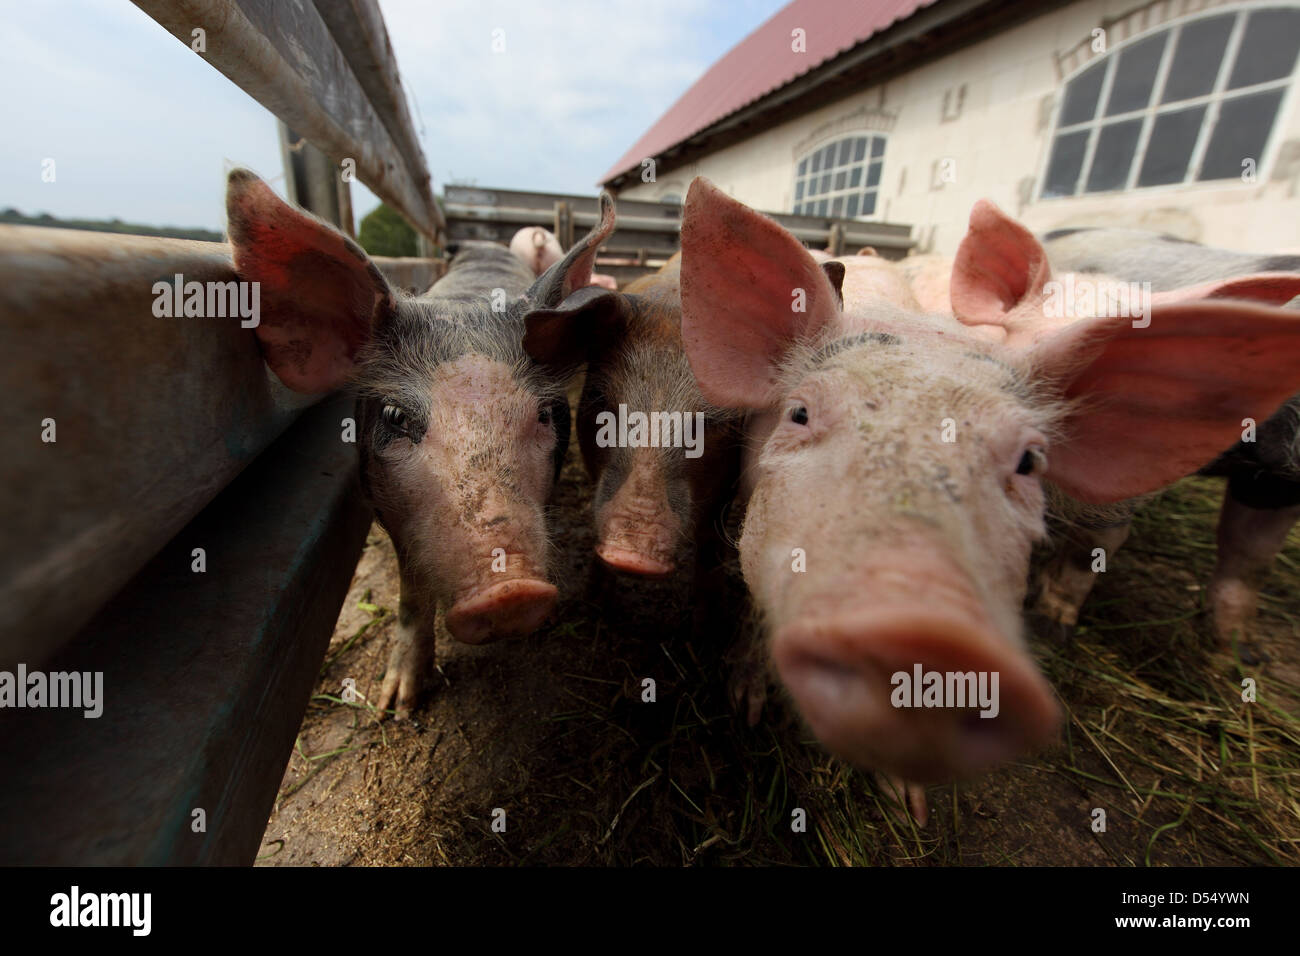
(538, 249)
(897, 458)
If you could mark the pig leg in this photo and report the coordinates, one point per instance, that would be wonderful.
(1249, 539)
(748, 667)
(747, 658)
(1068, 578)
(412, 652)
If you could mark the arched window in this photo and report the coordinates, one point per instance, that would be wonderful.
(840, 178)
(1188, 103)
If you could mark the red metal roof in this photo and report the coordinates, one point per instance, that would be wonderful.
(763, 62)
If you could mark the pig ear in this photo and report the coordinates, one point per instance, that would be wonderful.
(573, 272)
(999, 272)
(1154, 404)
(743, 277)
(835, 273)
(1266, 288)
(580, 326)
(319, 294)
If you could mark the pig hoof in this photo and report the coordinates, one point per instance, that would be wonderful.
(909, 798)
(1252, 654)
(402, 680)
(1233, 604)
(397, 690)
(748, 688)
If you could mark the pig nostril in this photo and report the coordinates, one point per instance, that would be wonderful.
(835, 681)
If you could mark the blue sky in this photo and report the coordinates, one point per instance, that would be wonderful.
(142, 128)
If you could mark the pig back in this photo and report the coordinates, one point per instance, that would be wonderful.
(658, 307)
(480, 267)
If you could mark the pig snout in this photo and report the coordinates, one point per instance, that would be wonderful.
(508, 595)
(639, 536)
(513, 608)
(638, 528)
(898, 676)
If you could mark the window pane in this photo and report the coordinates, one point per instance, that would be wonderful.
(1170, 148)
(846, 148)
(1066, 163)
(1114, 155)
(873, 174)
(868, 203)
(798, 209)
(855, 176)
(798, 190)
(877, 147)
(840, 177)
(821, 208)
(1134, 74)
(828, 156)
(1241, 132)
(1268, 48)
(825, 186)
(837, 205)
(1081, 95)
(859, 149)
(803, 167)
(852, 209)
(1196, 59)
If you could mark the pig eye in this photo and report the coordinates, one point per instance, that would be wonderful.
(397, 421)
(799, 415)
(544, 416)
(1032, 462)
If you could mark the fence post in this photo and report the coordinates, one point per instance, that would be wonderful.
(564, 224)
(836, 244)
(310, 177)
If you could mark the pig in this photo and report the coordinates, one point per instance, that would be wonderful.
(655, 508)
(538, 249)
(460, 434)
(1262, 499)
(896, 462)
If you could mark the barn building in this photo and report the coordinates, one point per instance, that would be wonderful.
(1173, 115)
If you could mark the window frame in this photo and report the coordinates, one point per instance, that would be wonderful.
(1211, 101)
(865, 162)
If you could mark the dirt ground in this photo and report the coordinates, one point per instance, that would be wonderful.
(550, 736)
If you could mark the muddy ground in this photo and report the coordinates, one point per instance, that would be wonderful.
(553, 731)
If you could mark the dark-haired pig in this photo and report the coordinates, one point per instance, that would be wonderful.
(460, 433)
(897, 461)
(664, 461)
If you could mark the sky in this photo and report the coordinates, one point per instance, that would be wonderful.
(143, 129)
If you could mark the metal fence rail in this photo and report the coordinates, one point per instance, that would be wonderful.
(135, 441)
(646, 231)
(331, 79)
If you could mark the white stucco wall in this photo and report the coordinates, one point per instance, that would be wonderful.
(998, 144)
